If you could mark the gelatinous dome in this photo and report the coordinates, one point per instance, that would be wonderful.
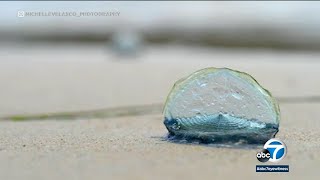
(221, 105)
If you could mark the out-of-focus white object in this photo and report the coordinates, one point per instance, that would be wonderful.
(126, 43)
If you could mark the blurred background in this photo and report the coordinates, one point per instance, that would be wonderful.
(118, 54)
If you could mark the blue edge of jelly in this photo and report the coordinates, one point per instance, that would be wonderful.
(215, 133)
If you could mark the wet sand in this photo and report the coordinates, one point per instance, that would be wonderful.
(133, 147)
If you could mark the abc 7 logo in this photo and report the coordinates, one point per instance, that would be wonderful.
(274, 151)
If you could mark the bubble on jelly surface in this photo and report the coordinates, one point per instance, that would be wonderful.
(220, 105)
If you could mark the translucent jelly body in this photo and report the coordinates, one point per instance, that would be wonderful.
(221, 105)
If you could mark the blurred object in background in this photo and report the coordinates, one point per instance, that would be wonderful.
(126, 43)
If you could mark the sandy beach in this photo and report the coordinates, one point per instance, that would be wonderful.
(133, 147)
(51, 79)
